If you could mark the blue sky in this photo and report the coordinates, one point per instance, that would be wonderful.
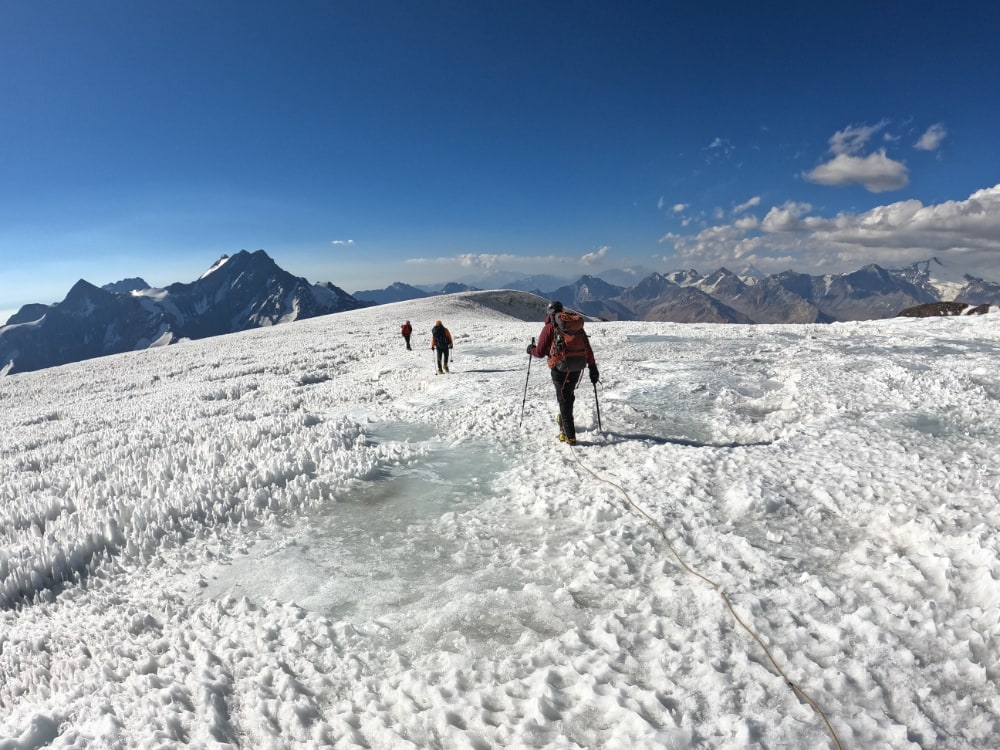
(370, 142)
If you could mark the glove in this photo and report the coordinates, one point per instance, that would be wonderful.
(594, 375)
(531, 349)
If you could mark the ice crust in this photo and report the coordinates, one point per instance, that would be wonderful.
(304, 537)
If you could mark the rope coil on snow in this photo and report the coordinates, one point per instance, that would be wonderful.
(729, 605)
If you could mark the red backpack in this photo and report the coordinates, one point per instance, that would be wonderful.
(569, 342)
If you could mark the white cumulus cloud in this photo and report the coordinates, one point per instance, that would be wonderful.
(932, 138)
(850, 165)
(755, 201)
(591, 258)
(877, 172)
(854, 138)
(786, 218)
(964, 234)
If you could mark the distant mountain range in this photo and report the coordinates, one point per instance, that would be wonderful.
(246, 290)
(748, 297)
(249, 290)
(400, 292)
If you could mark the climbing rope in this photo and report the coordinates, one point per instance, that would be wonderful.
(729, 605)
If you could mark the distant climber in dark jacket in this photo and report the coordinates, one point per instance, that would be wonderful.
(442, 341)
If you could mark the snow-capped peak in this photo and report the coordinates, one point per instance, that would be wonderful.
(215, 267)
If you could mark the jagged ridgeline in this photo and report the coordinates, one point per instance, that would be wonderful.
(249, 290)
(747, 297)
(239, 292)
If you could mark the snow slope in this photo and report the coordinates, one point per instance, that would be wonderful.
(302, 537)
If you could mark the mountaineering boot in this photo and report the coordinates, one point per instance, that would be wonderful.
(440, 371)
(567, 431)
(562, 433)
(446, 368)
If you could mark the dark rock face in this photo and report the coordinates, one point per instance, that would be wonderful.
(247, 290)
(871, 292)
(938, 309)
(89, 322)
(762, 300)
(29, 314)
(136, 284)
(658, 298)
(980, 292)
(693, 306)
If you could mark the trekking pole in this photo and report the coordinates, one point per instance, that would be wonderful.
(524, 400)
(599, 428)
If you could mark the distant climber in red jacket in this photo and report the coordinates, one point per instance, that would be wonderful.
(406, 330)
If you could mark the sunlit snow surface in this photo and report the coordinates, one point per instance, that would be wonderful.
(304, 537)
